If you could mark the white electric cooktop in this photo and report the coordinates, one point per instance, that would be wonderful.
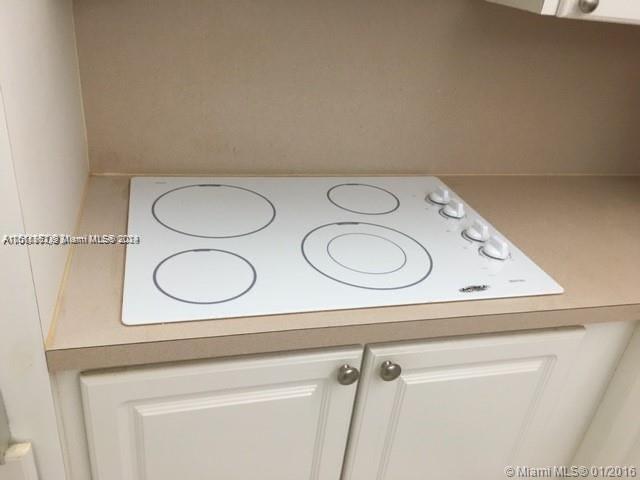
(230, 247)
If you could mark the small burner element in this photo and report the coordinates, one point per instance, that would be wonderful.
(204, 276)
(213, 211)
(366, 255)
(362, 198)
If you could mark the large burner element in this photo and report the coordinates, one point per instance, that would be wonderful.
(366, 255)
(213, 211)
(362, 198)
(204, 276)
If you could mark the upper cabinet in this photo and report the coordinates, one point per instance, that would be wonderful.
(619, 11)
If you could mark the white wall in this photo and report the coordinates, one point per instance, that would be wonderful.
(43, 106)
(24, 380)
(43, 169)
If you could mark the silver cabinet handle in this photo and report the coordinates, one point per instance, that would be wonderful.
(348, 374)
(588, 6)
(390, 371)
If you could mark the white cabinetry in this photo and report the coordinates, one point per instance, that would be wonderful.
(614, 435)
(281, 417)
(618, 11)
(461, 408)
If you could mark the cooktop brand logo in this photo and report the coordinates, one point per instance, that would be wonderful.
(474, 288)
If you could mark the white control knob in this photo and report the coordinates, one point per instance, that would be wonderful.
(454, 209)
(478, 231)
(440, 195)
(496, 248)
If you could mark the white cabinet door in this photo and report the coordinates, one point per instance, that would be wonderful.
(461, 408)
(545, 7)
(280, 417)
(617, 11)
(622, 11)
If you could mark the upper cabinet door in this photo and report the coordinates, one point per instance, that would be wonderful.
(283, 417)
(460, 408)
(545, 7)
(619, 11)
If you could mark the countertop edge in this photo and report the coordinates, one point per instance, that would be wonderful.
(198, 348)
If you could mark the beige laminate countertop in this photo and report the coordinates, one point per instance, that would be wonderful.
(583, 231)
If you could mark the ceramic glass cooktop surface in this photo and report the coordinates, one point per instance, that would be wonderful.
(229, 247)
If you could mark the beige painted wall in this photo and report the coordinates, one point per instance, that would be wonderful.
(331, 86)
(41, 88)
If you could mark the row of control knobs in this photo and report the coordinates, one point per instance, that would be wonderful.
(493, 246)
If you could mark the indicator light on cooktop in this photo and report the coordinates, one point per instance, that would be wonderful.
(496, 248)
(440, 196)
(478, 231)
(454, 209)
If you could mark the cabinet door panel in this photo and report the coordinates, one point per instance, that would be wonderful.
(623, 11)
(461, 409)
(277, 417)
